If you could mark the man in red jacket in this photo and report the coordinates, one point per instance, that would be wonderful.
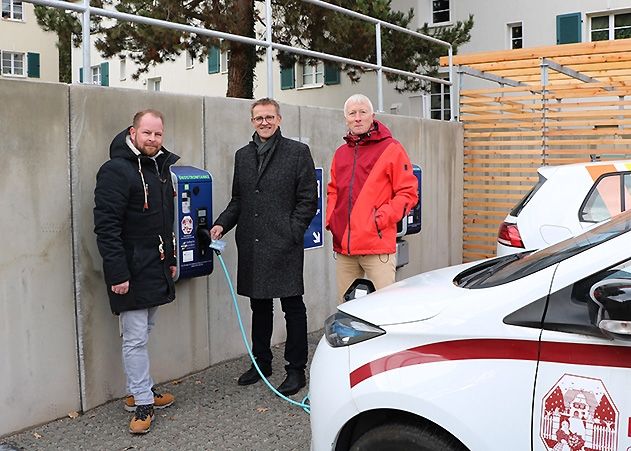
(371, 188)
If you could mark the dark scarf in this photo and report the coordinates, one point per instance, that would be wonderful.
(264, 149)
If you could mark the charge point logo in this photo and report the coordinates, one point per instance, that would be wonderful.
(579, 415)
(187, 225)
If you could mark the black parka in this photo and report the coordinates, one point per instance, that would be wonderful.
(271, 209)
(135, 232)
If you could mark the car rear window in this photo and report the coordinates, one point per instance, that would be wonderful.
(522, 203)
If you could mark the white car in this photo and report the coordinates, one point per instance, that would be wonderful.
(529, 351)
(566, 201)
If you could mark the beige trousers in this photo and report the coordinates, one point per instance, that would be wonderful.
(380, 269)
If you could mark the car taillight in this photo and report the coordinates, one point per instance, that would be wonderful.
(508, 235)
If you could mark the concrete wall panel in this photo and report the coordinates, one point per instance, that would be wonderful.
(181, 333)
(38, 354)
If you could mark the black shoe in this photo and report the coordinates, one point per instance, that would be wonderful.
(252, 376)
(292, 384)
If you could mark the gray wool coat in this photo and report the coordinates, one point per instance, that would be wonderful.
(271, 210)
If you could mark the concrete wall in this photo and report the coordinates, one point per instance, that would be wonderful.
(59, 343)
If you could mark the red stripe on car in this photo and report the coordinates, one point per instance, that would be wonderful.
(497, 349)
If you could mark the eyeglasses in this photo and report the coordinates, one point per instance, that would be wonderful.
(260, 119)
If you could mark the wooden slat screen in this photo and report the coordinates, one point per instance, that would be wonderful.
(509, 132)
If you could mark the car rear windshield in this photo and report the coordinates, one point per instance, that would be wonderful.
(522, 203)
(505, 269)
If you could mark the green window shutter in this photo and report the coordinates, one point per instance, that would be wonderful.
(287, 79)
(569, 28)
(33, 65)
(105, 74)
(81, 75)
(213, 59)
(331, 74)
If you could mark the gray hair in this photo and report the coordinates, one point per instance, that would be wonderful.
(358, 98)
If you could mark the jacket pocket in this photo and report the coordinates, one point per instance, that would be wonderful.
(374, 216)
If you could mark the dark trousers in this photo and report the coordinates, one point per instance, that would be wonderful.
(296, 323)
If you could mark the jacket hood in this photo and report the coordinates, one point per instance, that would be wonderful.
(378, 132)
(119, 147)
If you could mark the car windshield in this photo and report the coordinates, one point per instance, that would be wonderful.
(512, 267)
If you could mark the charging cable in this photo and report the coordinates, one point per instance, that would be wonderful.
(218, 246)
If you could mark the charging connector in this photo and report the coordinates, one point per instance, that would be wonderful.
(218, 246)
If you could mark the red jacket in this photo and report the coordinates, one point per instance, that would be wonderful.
(371, 188)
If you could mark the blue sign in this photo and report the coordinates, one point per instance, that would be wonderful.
(313, 236)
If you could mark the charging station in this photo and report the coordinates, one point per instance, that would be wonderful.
(193, 217)
(409, 225)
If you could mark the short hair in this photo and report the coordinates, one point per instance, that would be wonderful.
(140, 114)
(265, 101)
(358, 98)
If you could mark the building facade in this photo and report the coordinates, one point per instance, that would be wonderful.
(26, 50)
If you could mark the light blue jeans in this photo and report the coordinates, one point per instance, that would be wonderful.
(136, 325)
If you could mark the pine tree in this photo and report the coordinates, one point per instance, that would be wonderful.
(555, 401)
(605, 411)
(68, 29)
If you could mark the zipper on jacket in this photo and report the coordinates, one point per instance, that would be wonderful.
(350, 199)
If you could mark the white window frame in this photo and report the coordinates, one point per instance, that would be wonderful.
(611, 16)
(12, 14)
(311, 73)
(224, 61)
(12, 66)
(122, 68)
(95, 74)
(190, 61)
(432, 12)
(511, 39)
(445, 105)
(154, 84)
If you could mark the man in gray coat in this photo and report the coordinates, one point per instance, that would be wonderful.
(274, 198)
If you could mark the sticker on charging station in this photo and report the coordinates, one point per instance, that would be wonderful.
(187, 256)
(187, 225)
(314, 238)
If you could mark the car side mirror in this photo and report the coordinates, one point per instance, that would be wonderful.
(358, 289)
(611, 307)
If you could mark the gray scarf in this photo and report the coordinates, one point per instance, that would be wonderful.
(264, 148)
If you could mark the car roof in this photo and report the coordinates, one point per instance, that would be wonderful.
(549, 171)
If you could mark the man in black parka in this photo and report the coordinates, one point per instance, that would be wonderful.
(133, 222)
(274, 199)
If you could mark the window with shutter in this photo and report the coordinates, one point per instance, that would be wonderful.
(331, 74)
(569, 28)
(213, 59)
(287, 78)
(33, 65)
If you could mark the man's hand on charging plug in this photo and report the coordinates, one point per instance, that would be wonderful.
(216, 232)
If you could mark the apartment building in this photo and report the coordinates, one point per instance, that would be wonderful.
(499, 24)
(26, 51)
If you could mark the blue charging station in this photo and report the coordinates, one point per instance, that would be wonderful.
(193, 217)
(409, 225)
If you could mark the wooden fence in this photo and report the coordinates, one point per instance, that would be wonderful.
(545, 106)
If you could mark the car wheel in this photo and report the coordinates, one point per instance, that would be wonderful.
(398, 437)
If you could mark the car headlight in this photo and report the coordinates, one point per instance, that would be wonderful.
(342, 329)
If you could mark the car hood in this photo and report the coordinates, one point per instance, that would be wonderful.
(414, 299)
